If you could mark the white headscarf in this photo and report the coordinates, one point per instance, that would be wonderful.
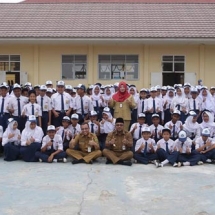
(136, 95)
(108, 126)
(108, 97)
(95, 97)
(210, 124)
(168, 98)
(209, 101)
(190, 126)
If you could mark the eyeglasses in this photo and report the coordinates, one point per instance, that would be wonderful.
(84, 129)
(119, 124)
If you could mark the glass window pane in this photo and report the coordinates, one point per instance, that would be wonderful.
(4, 57)
(179, 67)
(131, 58)
(131, 71)
(15, 58)
(80, 59)
(117, 67)
(14, 66)
(4, 66)
(67, 58)
(168, 67)
(67, 71)
(104, 58)
(167, 58)
(117, 58)
(179, 58)
(80, 71)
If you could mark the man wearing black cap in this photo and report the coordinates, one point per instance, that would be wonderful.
(118, 145)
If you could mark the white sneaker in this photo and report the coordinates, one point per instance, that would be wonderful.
(179, 164)
(208, 161)
(156, 164)
(175, 165)
(160, 165)
(54, 160)
(200, 163)
(64, 160)
(40, 160)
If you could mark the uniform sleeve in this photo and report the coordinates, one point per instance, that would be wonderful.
(40, 110)
(24, 109)
(39, 136)
(5, 138)
(101, 128)
(49, 104)
(1, 131)
(197, 143)
(90, 105)
(138, 144)
(23, 138)
(44, 142)
(53, 101)
(132, 126)
(60, 143)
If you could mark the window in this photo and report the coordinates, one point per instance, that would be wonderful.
(74, 66)
(9, 62)
(118, 67)
(173, 63)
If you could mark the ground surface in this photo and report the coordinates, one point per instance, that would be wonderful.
(57, 188)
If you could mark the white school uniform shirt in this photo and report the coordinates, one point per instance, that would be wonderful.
(66, 135)
(186, 145)
(143, 141)
(183, 104)
(158, 104)
(75, 130)
(107, 127)
(100, 102)
(27, 133)
(162, 144)
(200, 142)
(177, 127)
(6, 104)
(46, 103)
(140, 106)
(198, 102)
(14, 139)
(27, 109)
(56, 101)
(137, 130)
(57, 142)
(13, 104)
(1, 131)
(95, 127)
(87, 104)
(159, 129)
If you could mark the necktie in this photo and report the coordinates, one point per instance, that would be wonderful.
(92, 128)
(32, 109)
(167, 148)
(82, 107)
(19, 107)
(205, 147)
(194, 104)
(62, 103)
(42, 104)
(52, 147)
(74, 129)
(156, 134)
(140, 131)
(63, 135)
(154, 106)
(97, 106)
(145, 149)
(143, 106)
(178, 107)
(173, 131)
(2, 106)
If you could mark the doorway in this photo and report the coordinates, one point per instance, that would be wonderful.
(12, 78)
(172, 78)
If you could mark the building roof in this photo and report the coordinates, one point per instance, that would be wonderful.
(107, 20)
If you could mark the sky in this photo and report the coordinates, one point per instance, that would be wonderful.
(10, 1)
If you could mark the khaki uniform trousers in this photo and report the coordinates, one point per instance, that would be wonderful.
(117, 156)
(86, 156)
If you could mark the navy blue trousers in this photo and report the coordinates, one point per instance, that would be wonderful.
(193, 158)
(45, 155)
(133, 117)
(183, 117)
(145, 159)
(167, 116)
(45, 120)
(163, 155)
(28, 152)
(208, 155)
(4, 120)
(57, 121)
(102, 140)
(65, 145)
(11, 152)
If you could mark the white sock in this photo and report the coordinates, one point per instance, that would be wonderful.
(165, 162)
(186, 163)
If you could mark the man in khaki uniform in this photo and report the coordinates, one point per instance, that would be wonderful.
(88, 145)
(118, 145)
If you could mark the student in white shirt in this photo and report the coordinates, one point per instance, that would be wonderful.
(61, 104)
(174, 125)
(52, 147)
(74, 126)
(142, 102)
(107, 125)
(187, 88)
(11, 141)
(192, 127)
(135, 94)
(65, 132)
(166, 150)
(156, 128)
(32, 108)
(145, 148)
(82, 104)
(1, 134)
(205, 145)
(93, 123)
(49, 84)
(49, 92)
(16, 105)
(31, 140)
(208, 122)
(136, 128)
(46, 108)
(187, 157)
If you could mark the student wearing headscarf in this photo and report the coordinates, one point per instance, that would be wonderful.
(107, 96)
(180, 102)
(123, 102)
(11, 141)
(208, 122)
(31, 140)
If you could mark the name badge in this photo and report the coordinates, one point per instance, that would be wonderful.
(120, 105)
(89, 149)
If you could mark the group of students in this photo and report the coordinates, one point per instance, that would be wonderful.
(162, 125)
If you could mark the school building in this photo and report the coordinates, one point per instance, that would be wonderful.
(146, 43)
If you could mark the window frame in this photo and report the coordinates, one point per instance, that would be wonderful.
(9, 62)
(175, 55)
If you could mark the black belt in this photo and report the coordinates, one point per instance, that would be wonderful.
(4, 114)
(45, 111)
(61, 111)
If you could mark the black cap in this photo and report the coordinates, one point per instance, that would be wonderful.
(119, 120)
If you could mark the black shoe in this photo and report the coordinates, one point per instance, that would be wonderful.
(77, 161)
(109, 161)
(125, 163)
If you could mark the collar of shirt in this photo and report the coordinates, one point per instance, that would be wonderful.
(120, 133)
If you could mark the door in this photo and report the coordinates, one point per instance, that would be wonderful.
(12, 78)
(172, 78)
(156, 79)
(190, 77)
